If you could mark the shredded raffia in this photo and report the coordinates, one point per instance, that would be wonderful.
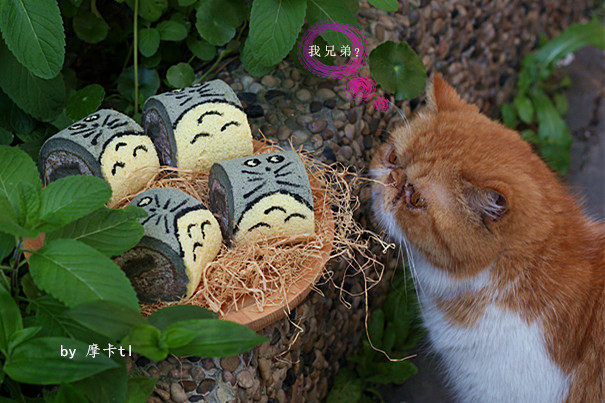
(263, 272)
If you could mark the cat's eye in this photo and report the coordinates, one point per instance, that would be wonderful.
(392, 157)
(276, 159)
(91, 118)
(77, 126)
(252, 162)
(417, 200)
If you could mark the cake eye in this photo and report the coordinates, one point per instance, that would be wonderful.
(91, 117)
(417, 200)
(392, 157)
(252, 162)
(144, 201)
(77, 126)
(275, 159)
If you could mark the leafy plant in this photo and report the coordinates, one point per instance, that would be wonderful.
(539, 106)
(69, 296)
(394, 328)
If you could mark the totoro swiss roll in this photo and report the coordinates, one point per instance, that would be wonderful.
(262, 195)
(181, 238)
(107, 144)
(196, 126)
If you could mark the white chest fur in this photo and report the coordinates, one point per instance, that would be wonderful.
(501, 358)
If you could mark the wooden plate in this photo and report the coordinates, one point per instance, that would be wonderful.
(248, 314)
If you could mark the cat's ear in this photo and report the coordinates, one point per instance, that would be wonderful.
(485, 201)
(442, 97)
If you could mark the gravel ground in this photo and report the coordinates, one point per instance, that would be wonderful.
(477, 46)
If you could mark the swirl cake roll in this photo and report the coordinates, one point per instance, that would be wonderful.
(181, 238)
(262, 195)
(107, 144)
(196, 126)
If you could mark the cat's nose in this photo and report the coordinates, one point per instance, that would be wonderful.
(395, 177)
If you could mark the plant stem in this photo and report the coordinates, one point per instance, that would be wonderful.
(135, 47)
(15, 273)
(225, 52)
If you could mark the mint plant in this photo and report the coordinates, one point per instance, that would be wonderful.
(539, 106)
(69, 295)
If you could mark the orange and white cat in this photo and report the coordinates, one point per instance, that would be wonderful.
(509, 272)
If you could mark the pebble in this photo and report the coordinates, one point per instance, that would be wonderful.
(247, 97)
(254, 111)
(346, 152)
(317, 126)
(288, 112)
(206, 386)
(246, 81)
(255, 88)
(177, 393)
(304, 120)
(287, 84)
(208, 364)
(194, 398)
(299, 137)
(188, 386)
(325, 93)
(330, 103)
(269, 95)
(303, 95)
(228, 377)
(197, 374)
(327, 134)
(264, 367)
(163, 394)
(315, 106)
(350, 131)
(269, 81)
(154, 399)
(230, 363)
(283, 133)
(318, 141)
(244, 379)
(271, 118)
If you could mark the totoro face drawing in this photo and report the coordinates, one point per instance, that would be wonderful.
(209, 132)
(128, 162)
(262, 195)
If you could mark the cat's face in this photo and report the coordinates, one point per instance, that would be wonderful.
(457, 185)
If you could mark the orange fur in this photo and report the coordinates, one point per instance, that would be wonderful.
(547, 257)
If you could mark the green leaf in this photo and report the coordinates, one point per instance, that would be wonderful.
(39, 361)
(33, 31)
(149, 41)
(10, 222)
(139, 389)
(110, 231)
(10, 318)
(390, 335)
(398, 69)
(175, 313)
(554, 140)
(7, 244)
(111, 319)
(180, 75)
(52, 316)
(16, 167)
(392, 372)
(108, 386)
(347, 388)
(177, 336)
(524, 108)
(73, 197)
(22, 335)
(529, 135)
(90, 27)
(75, 274)
(29, 288)
(274, 27)
(172, 31)
(147, 340)
(153, 61)
(376, 326)
(561, 104)
(152, 10)
(201, 49)
(332, 10)
(68, 393)
(6, 137)
(85, 101)
(509, 116)
(43, 99)
(387, 5)
(149, 82)
(216, 338)
(575, 37)
(216, 20)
